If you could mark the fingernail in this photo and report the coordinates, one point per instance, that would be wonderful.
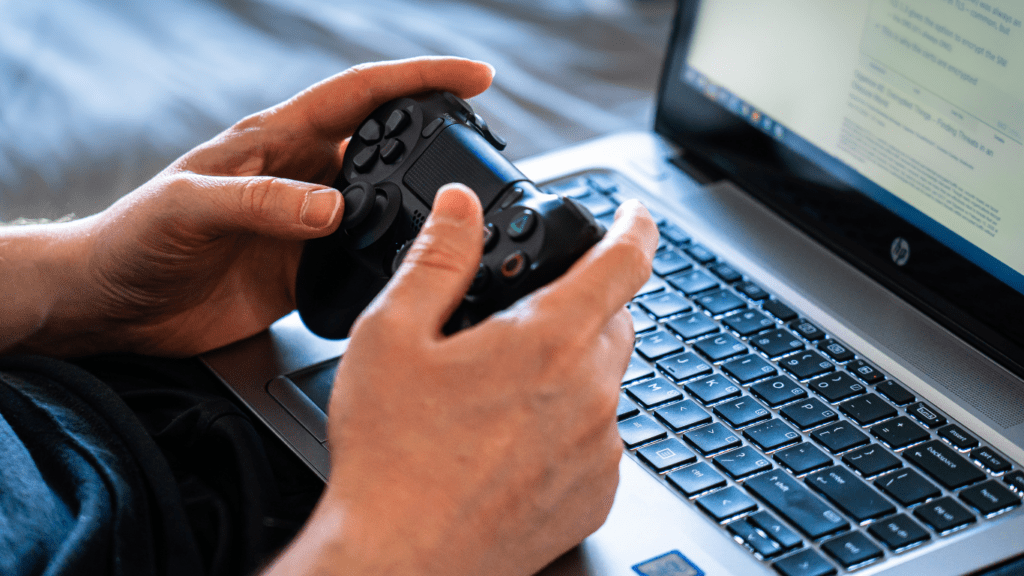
(452, 205)
(319, 207)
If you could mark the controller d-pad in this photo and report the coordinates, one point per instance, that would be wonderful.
(364, 161)
(490, 236)
(397, 122)
(391, 151)
(514, 265)
(522, 225)
(370, 132)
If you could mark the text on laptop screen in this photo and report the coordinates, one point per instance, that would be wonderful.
(917, 103)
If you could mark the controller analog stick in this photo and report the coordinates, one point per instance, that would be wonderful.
(359, 200)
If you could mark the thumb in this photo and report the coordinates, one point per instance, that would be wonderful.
(276, 207)
(439, 267)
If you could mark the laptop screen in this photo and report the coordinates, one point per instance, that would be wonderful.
(891, 129)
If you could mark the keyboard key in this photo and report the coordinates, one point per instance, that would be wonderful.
(943, 514)
(725, 272)
(835, 350)
(598, 204)
(771, 435)
(1015, 480)
(693, 282)
(653, 284)
(712, 438)
(806, 562)
(673, 233)
(839, 437)
(666, 304)
(626, 408)
(657, 344)
(712, 389)
(756, 538)
(803, 458)
(719, 347)
(778, 390)
(694, 479)
(666, 454)
(989, 497)
(807, 364)
(796, 504)
(640, 430)
(990, 460)
(748, 368)
(683, 415)
(899, 432)
(944, 464)
(779, 310)
(741, 412)
(668, 261)
(748, 322)
(898, 532)
(775, 529)
(836, 387)
(867, 409)
(809, 413)
(958, 437)
(636, 370)
(776, 342)
(726, 503)
(641, 321)
(742, 462)
(603, 183)
(907, 487)
(719, 301)
(850, 494)
(926, 415)
(852, 549)
(693, 325)
(700, 253)
(865, 371)
(871, 460)
(808, 330)
(896, 394)
(683, 366)
(653, 392)
(752, 291)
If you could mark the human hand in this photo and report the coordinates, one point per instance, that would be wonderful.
(206, 252)
(491, 451)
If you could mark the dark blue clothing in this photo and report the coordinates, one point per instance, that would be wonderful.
(138, 467)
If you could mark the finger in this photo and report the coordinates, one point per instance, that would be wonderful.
(607, 276)
(334, 107)
(439, 267)
(275, 207)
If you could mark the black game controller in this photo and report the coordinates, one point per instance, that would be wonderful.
(395, 163)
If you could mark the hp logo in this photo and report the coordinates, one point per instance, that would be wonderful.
(899, 251)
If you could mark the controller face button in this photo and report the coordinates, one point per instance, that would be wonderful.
(391, 151)
(370, 132)
(490, 236)
(429, 129)
(397, 122)
(359, 200)
(522, 225)
(483, 276)
(515, 265)
(363, 161)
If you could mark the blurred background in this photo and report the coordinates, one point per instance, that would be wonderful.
(96, 96)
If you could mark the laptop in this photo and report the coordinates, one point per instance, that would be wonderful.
(829, 369)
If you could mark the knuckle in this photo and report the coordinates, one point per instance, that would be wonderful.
(257, 196)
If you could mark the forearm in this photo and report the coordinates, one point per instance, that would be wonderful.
(43, 304)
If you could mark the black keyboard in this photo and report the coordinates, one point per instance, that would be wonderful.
(811, 457)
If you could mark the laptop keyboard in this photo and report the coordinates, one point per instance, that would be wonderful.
(809, 455)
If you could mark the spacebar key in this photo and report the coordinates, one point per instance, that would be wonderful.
(796, 503)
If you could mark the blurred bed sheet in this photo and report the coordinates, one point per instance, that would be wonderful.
(96, 96)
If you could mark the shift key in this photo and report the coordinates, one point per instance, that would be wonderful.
(796, 503)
